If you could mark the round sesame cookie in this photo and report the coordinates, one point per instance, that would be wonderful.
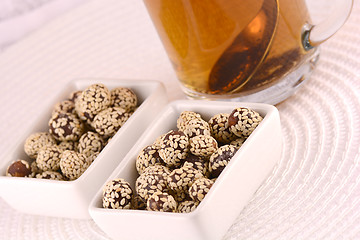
(148, 156)
(36, 141)
(117, 194)
(184, 118)
(243, 121)
(219, 128)
(66, 106)
(203, 145)
(200, 188)
(196, 127)
(162, 202)
(174, 148)
(48, 158)
(123, 97)
(220, 159)
(180, 179)
(90, 143)
(92, 100)
(187, 206)
(19, 168)
(73, 164)
(52, 175)
(109, 121)
(66, 126)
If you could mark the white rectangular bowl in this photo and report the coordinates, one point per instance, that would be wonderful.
(232, 190)
(71, 199)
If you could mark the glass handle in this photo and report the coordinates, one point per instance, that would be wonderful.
(317, 34)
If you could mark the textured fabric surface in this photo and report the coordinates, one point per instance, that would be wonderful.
(312, 193)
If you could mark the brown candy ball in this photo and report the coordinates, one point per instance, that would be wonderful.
(49, 158)
(203, 145)
(109, 121)
(174, 148)
(220, 159)
(162, 202)
(148, 156)
(243, 121)
(147, 184)
(66, 126)
(19, 168)
(184, 118)
(117, 194)
(36, 141)
(220, 129)
(73, 164)
(180, 179)
(92, 100)
(200, 188)
(124, 98)
(90, 143)
(197, 126)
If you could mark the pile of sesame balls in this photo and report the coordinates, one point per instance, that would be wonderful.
(78, 129)
(178, 169)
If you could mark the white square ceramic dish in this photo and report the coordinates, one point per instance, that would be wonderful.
(71, 198)
(232, 190)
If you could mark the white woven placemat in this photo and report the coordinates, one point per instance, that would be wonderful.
(314, 191)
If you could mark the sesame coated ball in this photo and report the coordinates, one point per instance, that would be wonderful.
(187, 206)
(66, 106)
(184, 118)
(243, 121)
(174, 148)
(162, 202)
(197, 162)
(180, 179)
(146, 184)
(19, 168)
(117, 194)
(65, 126)
(219, 128)
(36, 141)
(90, 143)
(220, 159)
(200, 188)
(203, 145)
(123, 97)
(196, 127)
(73, 164)
(48, 158)
(52, 175)
(93, 100)
(109, 121)
(148, 156)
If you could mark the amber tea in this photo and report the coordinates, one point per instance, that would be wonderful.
(231, 47)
